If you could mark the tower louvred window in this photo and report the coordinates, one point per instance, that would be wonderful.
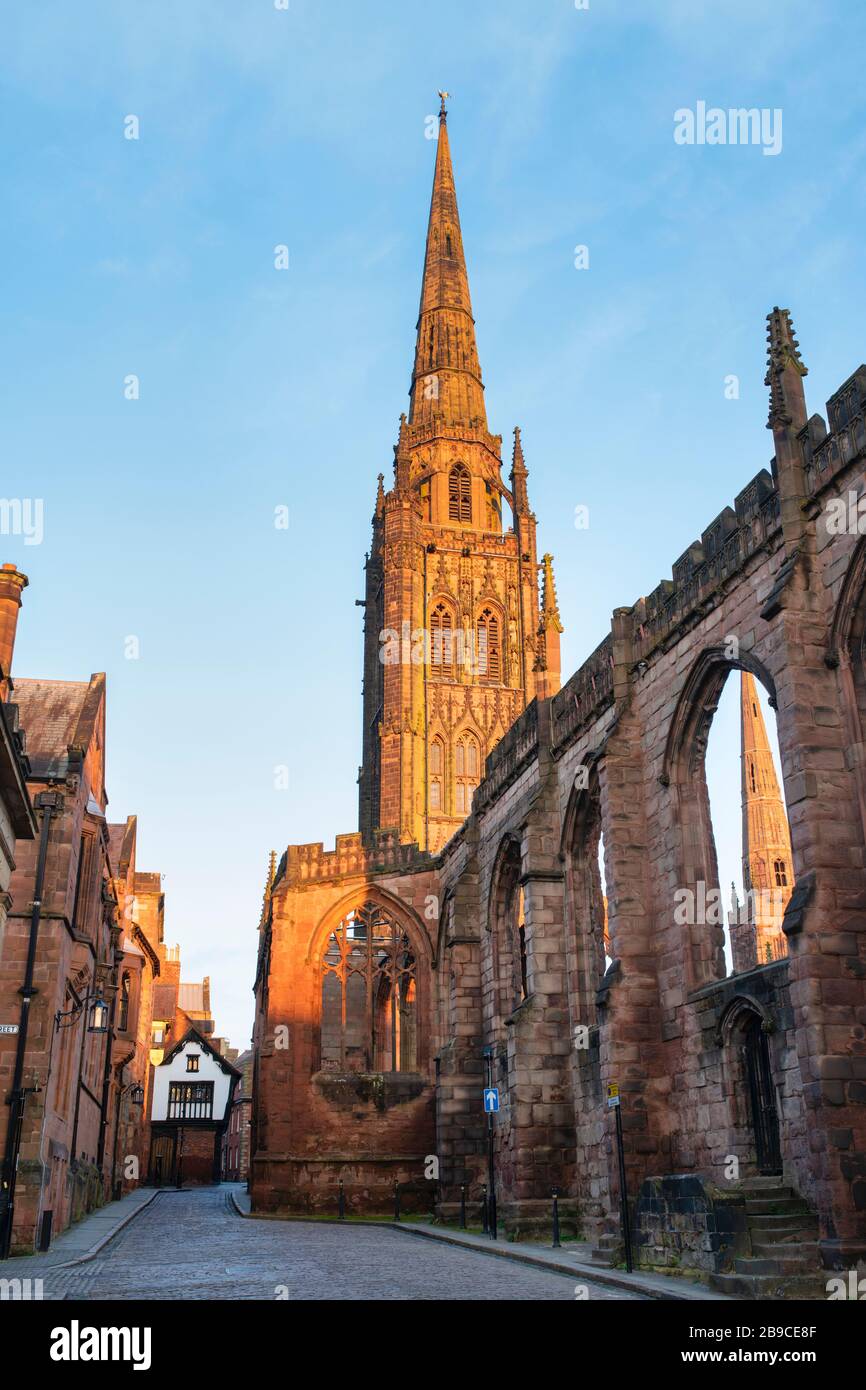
(459, 494)
(442, 641)
(467, 761)
(437, 769)
(489, 653)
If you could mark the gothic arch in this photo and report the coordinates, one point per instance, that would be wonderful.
(584, 895)
(683, 771)
(371, 990)
(846, 654)
(698, 703)
(369, 892)
(506, 929)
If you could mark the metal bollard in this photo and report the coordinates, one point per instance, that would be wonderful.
(341, 1203)
(463, 1206)
(556, 1241)
(396, 1201)
(484, 1226)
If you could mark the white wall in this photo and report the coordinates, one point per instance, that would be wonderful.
(175, 1070)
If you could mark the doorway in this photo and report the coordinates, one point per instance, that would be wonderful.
(762, 1096)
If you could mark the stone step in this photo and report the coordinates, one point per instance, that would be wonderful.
(783, 1228)
(769, 1286)
(775, 1264)
(604, 1259)
(776, 1206)
(764, 1180)
(804, 1250)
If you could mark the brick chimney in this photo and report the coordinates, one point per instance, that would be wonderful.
(12, 583)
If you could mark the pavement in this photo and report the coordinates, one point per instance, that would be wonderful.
(84, 1240)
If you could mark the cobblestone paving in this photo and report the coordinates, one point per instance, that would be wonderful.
(192, 1245)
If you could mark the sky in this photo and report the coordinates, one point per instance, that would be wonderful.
(261, 388)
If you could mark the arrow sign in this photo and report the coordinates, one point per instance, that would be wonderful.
(491, 1100)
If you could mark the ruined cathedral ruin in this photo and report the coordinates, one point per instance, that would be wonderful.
(466, 934)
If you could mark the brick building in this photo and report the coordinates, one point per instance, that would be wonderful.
(393, 967)
(236, 1140)
(84, 972)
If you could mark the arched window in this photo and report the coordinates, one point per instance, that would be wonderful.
(441, 641)
(369, 995)
(459, 493)
(489, 646)
(467, 765)
(123, 1016)
(508, 923)
(781, 873)
(437, 776)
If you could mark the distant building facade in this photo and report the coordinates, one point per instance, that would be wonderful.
(193, 1089)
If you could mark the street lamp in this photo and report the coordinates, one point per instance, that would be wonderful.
(98, 1014)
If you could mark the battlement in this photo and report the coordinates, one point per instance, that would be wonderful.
(512, 751)
(350, 856)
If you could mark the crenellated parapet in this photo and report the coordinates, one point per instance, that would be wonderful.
(351, 856)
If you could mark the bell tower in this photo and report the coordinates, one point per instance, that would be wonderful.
(456, 639)
(768, 877)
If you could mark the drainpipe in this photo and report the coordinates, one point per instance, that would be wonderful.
(47, 802)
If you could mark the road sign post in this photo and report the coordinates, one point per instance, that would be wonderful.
(613, 1103)
(491, 1105)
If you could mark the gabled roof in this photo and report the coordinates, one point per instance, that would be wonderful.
(192, 1035)
(57, 715)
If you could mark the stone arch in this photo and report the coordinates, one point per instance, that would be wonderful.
(846, 654)
(370, 991)
(695, 875)
(507, 932)
(584, 894)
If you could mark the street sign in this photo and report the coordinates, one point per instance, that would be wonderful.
(8, 1027)
(613, 1095)
(491, 1100)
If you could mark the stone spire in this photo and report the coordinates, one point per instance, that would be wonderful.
(269, 883)
(549, 661)
(519, 474)
(785, 372)
(402, 461)
(446, 378)
(767, 860)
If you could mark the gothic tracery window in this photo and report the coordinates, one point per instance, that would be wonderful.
(369, 995)
(467, 763)
(437, 775)
(489, 646)
(441, 641)
(781, 873)
(459, 493)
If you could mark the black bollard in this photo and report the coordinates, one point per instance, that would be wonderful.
(463, 1206)
(484, 1209)
(341, 1203)
(396, 1201)
(556, 1241)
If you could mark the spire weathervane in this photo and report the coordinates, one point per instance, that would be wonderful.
(443, 97)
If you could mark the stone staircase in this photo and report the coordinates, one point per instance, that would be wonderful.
(785, 1262)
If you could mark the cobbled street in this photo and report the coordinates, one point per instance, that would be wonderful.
(193, 1245)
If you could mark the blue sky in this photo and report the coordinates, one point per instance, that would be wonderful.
(261, 388)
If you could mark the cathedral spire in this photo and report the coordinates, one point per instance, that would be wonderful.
(767, 861)
(446, 377)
